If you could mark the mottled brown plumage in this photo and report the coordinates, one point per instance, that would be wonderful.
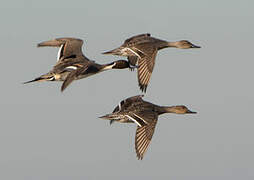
(145, 115)
(142, 50)
(72, 63)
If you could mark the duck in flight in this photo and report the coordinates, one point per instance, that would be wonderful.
(72, 64)
(145, 115)
(141, 50)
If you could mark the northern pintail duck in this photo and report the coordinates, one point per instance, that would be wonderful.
(72, 64)
(145, 115)
(142, 49)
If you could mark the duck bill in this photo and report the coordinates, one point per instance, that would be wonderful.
(194, 46)
(191, 112)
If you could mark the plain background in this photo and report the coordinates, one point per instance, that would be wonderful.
(46, 134)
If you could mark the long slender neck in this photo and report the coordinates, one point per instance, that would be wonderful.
(166, 44)
(119, 64)
(172, 44)
(107, 66)
(166, 109)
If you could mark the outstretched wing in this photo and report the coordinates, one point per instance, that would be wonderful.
(145, 133)
(144, 53)
(81, 72)
(72, 76)
(69, 47)
(127, 103)
(137, 39)
(146, 65)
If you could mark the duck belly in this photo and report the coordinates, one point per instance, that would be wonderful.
(85, 75)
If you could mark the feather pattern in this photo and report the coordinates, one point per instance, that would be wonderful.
(145, 115)
(144, 134)
(72, 64)
(136, 110)
(142, 50)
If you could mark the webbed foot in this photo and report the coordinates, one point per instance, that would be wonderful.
(132, 68)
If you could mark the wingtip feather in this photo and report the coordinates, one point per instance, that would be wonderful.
(143, 87)
(63, 88)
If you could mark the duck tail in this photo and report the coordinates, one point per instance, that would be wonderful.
(34, 80)
(112, 117)
(46, 77)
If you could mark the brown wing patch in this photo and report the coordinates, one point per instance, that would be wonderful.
(136, 39)
(127, 103)
(71, 46)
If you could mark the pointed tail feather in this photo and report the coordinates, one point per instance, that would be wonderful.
(107, 116)
(111, 117)
(34, 80)
(45, 77)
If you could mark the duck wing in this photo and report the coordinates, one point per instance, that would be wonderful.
(141, 38)
(69, 47)
(72, 76)
(146, 64)
(70, 64)
(145, 132)
(126, 104)
(84, 71)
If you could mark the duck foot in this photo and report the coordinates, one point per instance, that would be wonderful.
(132, 68)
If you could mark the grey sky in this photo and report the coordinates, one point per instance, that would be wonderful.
(46, 134)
